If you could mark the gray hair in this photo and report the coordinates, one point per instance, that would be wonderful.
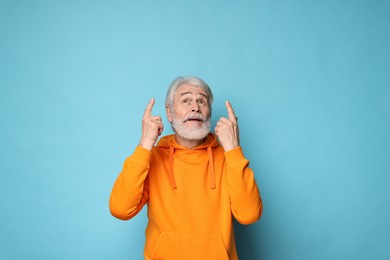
(188, 80)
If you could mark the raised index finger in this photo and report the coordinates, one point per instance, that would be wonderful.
(148, 110)
(232, 117)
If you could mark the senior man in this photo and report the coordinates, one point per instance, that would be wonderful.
(193, 181)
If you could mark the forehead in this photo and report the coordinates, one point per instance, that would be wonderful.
(188, 89)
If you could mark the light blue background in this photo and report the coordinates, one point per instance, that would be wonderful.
(309, 80)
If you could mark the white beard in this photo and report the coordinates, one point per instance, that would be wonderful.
(191, 133)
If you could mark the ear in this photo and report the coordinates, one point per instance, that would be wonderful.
(169, 113)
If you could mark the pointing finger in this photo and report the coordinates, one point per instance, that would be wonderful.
(148, 110)
(231, 115)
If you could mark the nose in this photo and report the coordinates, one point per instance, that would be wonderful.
(195, 108)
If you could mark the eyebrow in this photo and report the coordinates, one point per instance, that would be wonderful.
(189, 92)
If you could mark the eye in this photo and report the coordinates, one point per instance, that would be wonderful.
(186, 101)
(202, 102)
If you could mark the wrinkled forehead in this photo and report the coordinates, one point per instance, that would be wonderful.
(188, 89)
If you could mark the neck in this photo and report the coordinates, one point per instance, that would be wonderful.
(190, 144)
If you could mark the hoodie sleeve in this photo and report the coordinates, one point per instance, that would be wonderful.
(246, 204)
(131, 190)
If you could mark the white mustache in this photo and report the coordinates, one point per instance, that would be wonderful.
(194, 116)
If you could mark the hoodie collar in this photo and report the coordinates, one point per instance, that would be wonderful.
(169, 142)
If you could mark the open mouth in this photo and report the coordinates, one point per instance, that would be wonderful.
(194, 120)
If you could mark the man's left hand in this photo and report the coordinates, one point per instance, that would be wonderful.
(227, 130)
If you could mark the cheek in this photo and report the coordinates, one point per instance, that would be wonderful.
(178, 110)
(181, 113)
(206, 113)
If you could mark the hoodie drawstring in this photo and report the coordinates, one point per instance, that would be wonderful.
(171, 176)
(211, 167)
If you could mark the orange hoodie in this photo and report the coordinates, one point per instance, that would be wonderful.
(191, 195)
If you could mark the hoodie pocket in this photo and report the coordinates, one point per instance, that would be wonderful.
(172, 246)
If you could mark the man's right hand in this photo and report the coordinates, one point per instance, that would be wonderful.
(152, 127)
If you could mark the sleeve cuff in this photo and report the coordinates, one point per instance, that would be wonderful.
(141, 155)
(234, 154)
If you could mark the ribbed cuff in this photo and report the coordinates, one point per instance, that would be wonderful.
(234, 154)
(141, 155)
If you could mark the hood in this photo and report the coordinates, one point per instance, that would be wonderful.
(169, 142)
